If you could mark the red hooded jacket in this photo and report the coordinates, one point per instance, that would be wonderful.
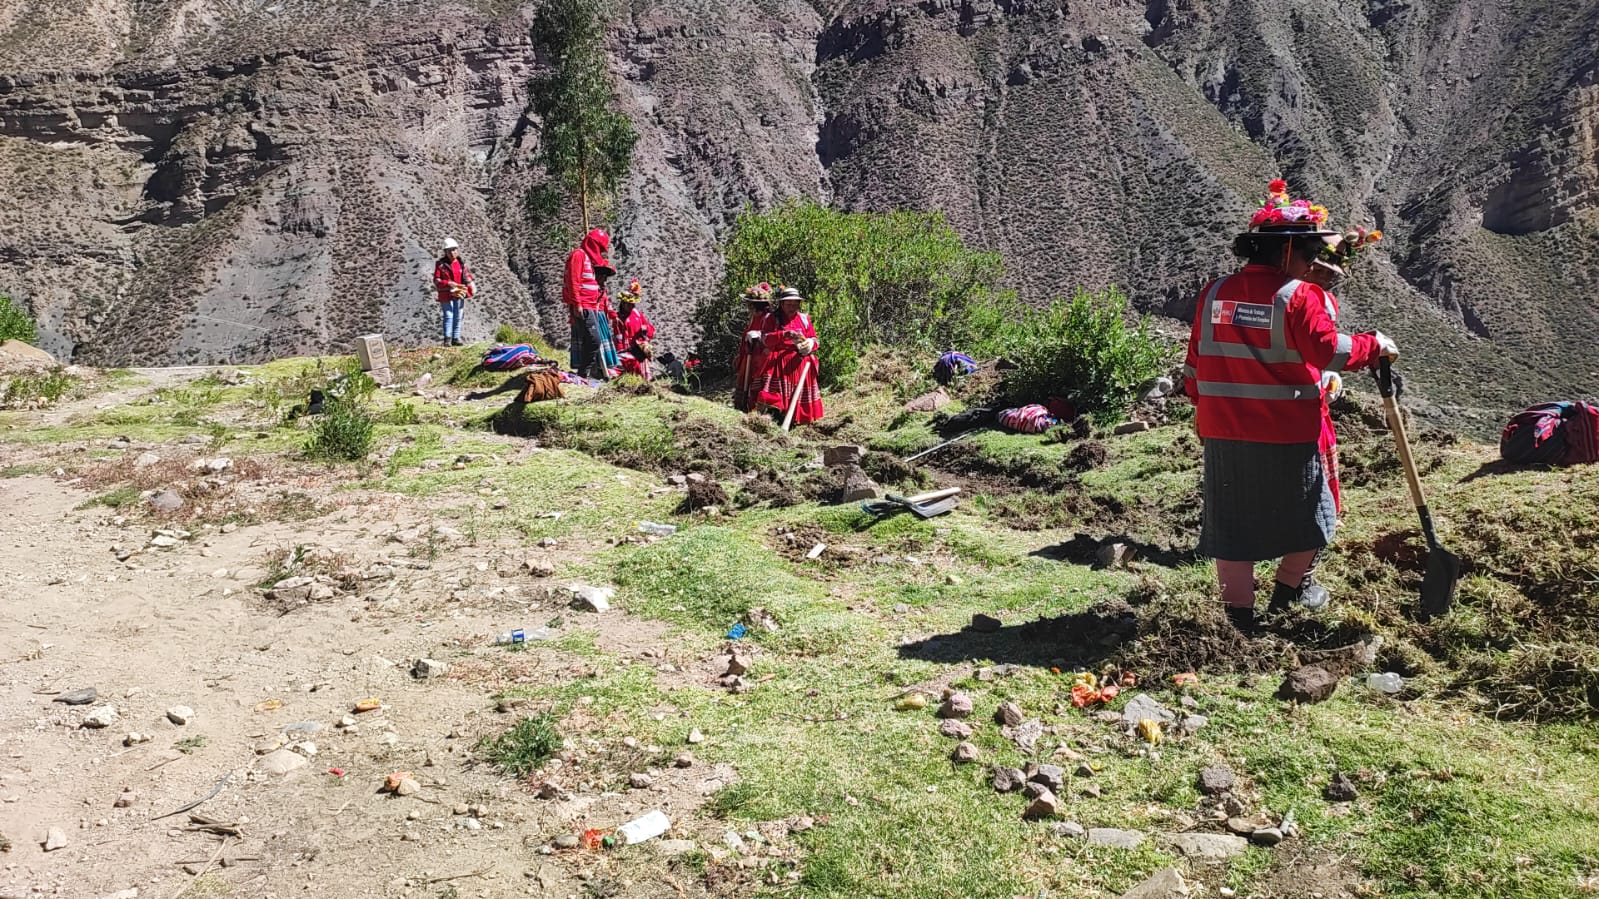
(1256, 353)
(445, 272)
(581, 288)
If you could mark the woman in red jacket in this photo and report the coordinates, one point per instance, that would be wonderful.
(750, 359)
(1260, 342)
(454, 283)
(790, 370)
(633, 332)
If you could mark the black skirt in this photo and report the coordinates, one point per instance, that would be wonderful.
(1264, 501)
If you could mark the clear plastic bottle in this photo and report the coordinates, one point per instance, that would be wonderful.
(656, 529)
(509, 637)
(1314, 597)
(1387, 682)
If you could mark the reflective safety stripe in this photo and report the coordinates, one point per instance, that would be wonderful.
(1190, 372)
(1260, 391)
(1275, 354)
(1346, 345)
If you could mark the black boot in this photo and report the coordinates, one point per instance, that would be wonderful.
(1283, 598)
(1243, 618)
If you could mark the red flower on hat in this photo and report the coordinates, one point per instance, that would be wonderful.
(1278, 187)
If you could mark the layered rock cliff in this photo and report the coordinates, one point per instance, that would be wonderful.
(214, 180)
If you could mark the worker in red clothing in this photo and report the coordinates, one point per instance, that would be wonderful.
(633, 332)
(454, 283)
(1260, 342)
(583, 292)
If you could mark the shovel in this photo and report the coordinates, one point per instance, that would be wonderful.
(1443, 566)
(923, 505)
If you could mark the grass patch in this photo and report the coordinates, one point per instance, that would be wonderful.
(527, 744)
(121, 497)
(189, 745)
(34, 390)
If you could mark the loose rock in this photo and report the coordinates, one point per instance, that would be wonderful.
(565, 841)
(54, 839)
(282, 761)
(592, 599)
(104, 716)
(1342, 789)
(1166, 883)
(1069, 830)
(1121, 839)
(1208, 848)
(695, 737)
(1008, 714)
(1216, 780)
(964, 753)
(1141, 707)
(1267, 836)
(166, 501)
(126, 800)
(847, 454)
(1044, 804)
(1051, 776)
(180, 715)
(737, 664)
(957, 705)
(408, 786)
(1308, 684)
(78, 697)
(426, 668)
(683, 760)
(959, 730)
(1008, 780)
(638, 780)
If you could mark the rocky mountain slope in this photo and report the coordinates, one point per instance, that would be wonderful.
(216, 180)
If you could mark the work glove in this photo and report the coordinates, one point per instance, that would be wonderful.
(1332, 386)
(806, 346)
(1386, 346)
(753, 337)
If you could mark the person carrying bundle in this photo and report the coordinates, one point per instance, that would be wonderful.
(787, 384)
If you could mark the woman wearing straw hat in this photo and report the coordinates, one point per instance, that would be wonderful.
(750, 360)
(454, 284)
(1260, 342)
(788, 378)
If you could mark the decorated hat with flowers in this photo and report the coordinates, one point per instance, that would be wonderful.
(1340, 256)
(758, 293)
(632, 293)
(1281, 215)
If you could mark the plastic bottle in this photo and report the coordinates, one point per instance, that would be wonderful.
(1314, 597)
(648, 827)
(1387, 682)
(509, 637)
(656, 529)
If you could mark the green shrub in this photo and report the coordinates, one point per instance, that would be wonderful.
(520, 750)
(41, 389)
(1085, 350)
(343, 433)
(14, 323)
(402, 413)
(903, 279)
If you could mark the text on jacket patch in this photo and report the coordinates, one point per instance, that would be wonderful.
(1244, 315)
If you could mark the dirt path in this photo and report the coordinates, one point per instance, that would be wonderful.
(178, 627)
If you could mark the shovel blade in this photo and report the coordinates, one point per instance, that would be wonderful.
(934, 509)
(1438, 587)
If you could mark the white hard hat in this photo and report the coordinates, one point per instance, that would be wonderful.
(450, 244)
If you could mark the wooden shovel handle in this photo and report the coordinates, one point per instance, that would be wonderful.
(1396, 424)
